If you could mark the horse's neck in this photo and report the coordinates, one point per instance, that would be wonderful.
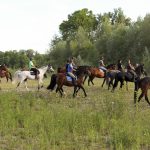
(80, 76)
(138, 71)
(43, 70)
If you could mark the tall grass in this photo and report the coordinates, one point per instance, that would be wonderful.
(42, 120)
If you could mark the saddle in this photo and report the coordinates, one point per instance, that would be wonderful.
(69, 78)
(32, 73)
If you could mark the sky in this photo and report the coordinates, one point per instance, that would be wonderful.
(32, 24)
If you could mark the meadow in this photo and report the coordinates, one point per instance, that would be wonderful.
(42, 120)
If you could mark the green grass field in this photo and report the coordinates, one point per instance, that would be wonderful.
(41, 120)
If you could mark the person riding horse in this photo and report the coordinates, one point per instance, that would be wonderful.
(102, 66)
(131, 69)
(70, 69)
(119, 65)
(33, 68)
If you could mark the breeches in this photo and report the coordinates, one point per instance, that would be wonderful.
(71, 75)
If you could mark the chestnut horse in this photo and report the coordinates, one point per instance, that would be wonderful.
(99, 73)
(4, 72)
(144, 85)
(61, 80)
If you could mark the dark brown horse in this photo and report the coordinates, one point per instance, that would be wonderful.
(128, 76)
(144, 85)
(4, 72)
(61, 80)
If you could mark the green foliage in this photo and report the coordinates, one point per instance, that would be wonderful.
(83, 18)
(111, 35)
(42, 120)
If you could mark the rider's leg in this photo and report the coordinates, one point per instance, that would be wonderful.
(73, 77)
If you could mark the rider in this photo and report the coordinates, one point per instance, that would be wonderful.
(119, 65)
(33, 68)
(70, 69)
(131, 69)
(101, 65)
(73, 63)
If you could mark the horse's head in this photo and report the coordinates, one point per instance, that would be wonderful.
(140, 70)
(3, 67)
(50, 68)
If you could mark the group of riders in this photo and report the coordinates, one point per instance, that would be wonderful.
(129, 67)
(71, 68)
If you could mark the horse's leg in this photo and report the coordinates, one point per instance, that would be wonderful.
(18, 85)
(90, 80)
(74, 93)
(40, 84)
(83, 90)
(115, 85)
(142, 94)
(146, 97)
(25, 82)
(7, 78)
(121, 83)
(110, 83)
(127, 86)
(85, 79)
(77, 90)
(103, 82)
(60, 90)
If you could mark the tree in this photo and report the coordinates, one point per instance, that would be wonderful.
(83, 18)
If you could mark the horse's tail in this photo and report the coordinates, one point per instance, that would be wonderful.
(136, 88)
(16, 77)
(52, 82)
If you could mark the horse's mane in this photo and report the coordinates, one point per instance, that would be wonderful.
(42, 67)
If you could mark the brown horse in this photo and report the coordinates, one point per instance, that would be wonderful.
(4, 72)
(61, 80)
(98, 73)
(144, 85)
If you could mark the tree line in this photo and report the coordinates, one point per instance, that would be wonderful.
(114, 36)
(87, 37)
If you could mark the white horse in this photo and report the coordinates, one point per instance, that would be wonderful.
(22, 76)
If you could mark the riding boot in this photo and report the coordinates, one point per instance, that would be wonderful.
(133, 78)
(73, 82)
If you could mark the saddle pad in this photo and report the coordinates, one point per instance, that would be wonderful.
(101, 70)
(69, 78)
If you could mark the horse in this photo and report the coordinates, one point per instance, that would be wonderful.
(23, 76)
(144, 85)
(128, 77)
(110, 76)
(4, 72)
(99, 73)
(60, 79)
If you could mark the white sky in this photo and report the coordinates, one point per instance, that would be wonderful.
(31, 24)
